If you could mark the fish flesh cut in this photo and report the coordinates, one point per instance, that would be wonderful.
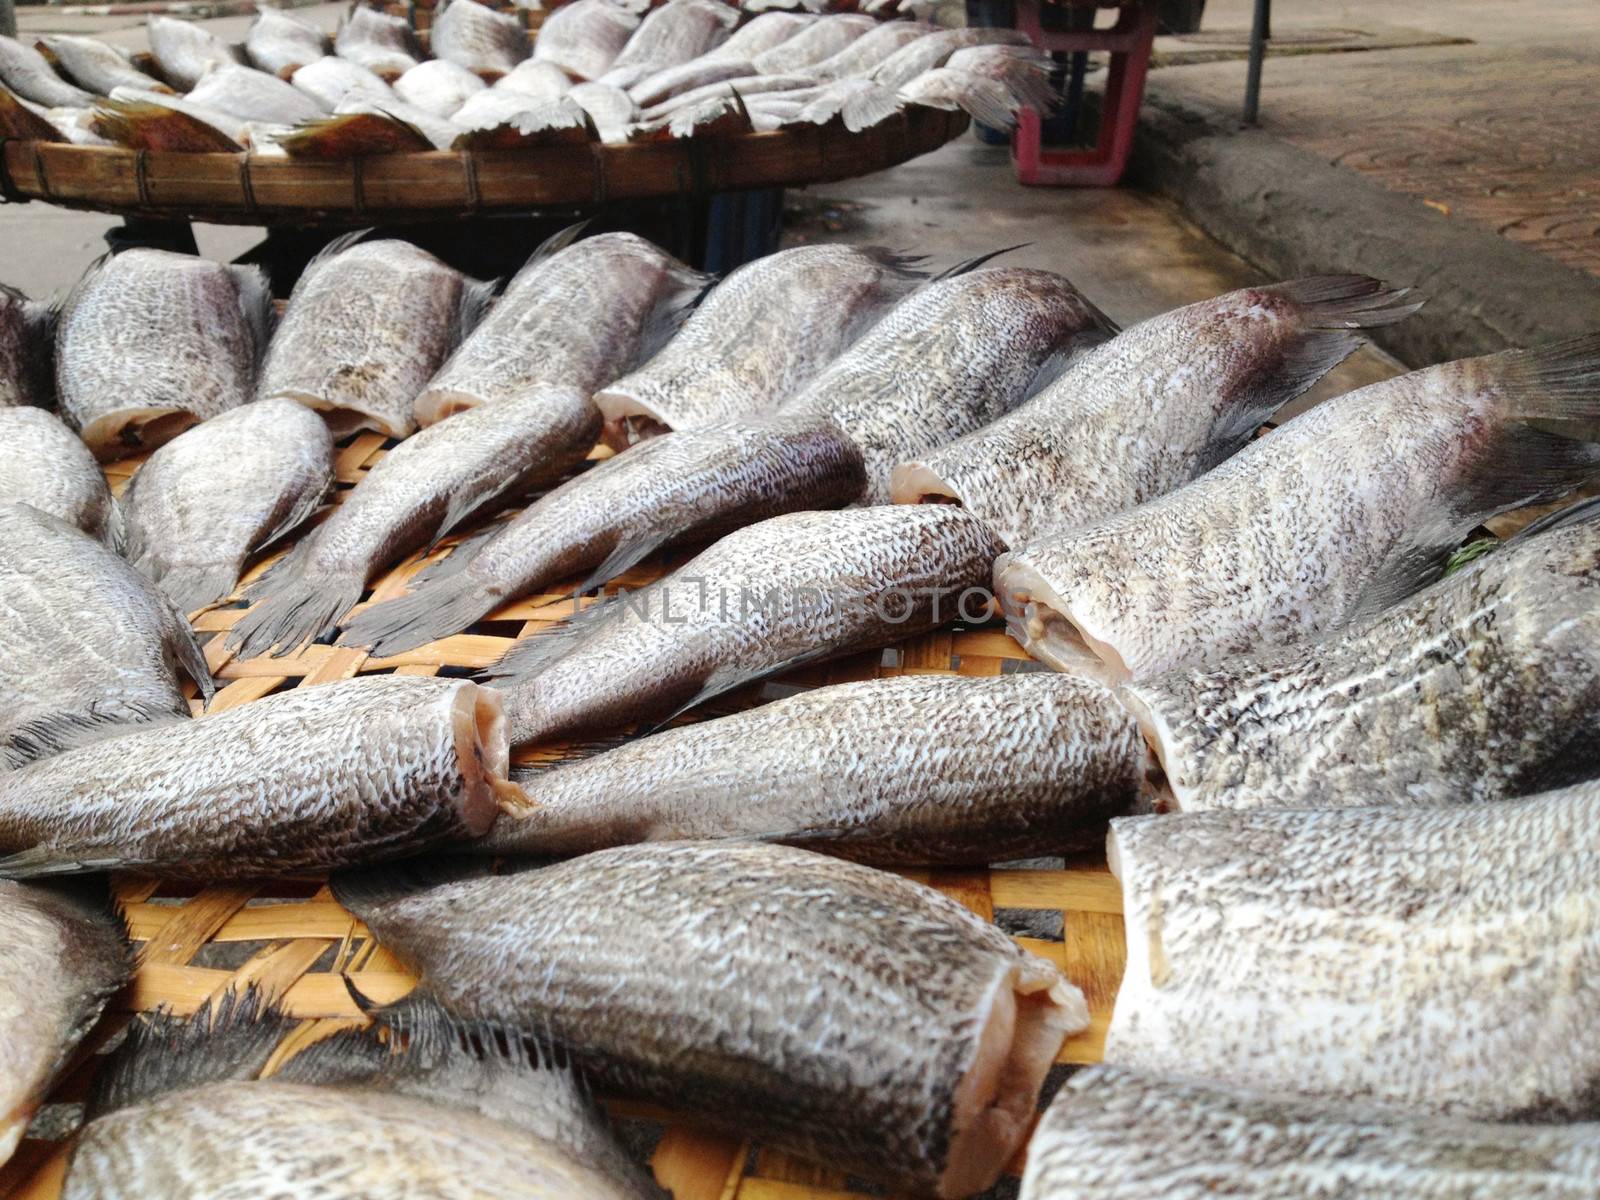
(63, 956)
(350, 772)
(27, 350)
(536, 423)
(795, 589)
(1333, 516)
(758, 337)
(211, 497)
(88, 642)
(368, 323)
(1483, 687)
(150, 343)
(455, 1112)
(912, 770)
(1427, 960)
(957, 1023)
(1159, 405)
(46, 465)
(1122, 1135)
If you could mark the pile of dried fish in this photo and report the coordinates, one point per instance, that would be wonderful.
(1352, 806)
(598, 70)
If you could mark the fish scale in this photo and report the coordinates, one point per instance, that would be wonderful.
(45, 464)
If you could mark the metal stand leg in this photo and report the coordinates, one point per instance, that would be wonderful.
(1260, 31)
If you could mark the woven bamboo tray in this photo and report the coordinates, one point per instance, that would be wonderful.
(291, 939)
(248, 189)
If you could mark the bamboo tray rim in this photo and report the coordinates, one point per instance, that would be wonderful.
(245, 188)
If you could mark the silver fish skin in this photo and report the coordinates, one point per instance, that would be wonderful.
(757, 338)
(27, 346)
(253, 95)
(1154, 408)
(693, 485)
(1122, 1135)
(748, 88)
(1427, 960)
(911, 770)
(208, 499)
(117, 660)
(45, 465)
(926, 53)
(438, 86)
(861, 56)
(352, 772)
(367, 325)
(184, 50)
(921, 1070)
(816, 43)
(1483, 687)
(428, 485)
(150, 343)
(182, 1114)
(584, 37)
(761, 33)
(958, 354)
(63, 957)
(377, 41)
(611, 108)
(331, 81)
(674, 33)
(794, 589)
(476, 37)
(1333, 516)
(536, 79)
(576, 315)
(280, 44)
(96, 66)
(698, 72)
(29, 74)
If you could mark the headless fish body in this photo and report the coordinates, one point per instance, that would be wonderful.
(474, 36)
(1157, 406)
(1433, 960)
(439, 87)
(674, 33)
(366, 326)
(29, 74)
(535, 422)
(761, 34)
(280, 44)
(1334, 515)
(610, 108)
(918, 769)
(45, 465)
(584, 38)
(27, 345)
(453, 1116)
(62, 958)
(253, 95)
(115, 662)
(757, 338)
(699, 72)
(151, 342)
(185, 51)
(861, 56)
(377, 41)
(957, 1023)
(1483, 687)
(331, 81)
(143, 120)
(539, 81)
(204, 502)
(795, 589)
(1121, 1135)
(95, 65)
(816, 43)
(353, 772)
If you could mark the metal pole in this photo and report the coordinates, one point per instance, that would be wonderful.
(1258, 50)
(8, 18)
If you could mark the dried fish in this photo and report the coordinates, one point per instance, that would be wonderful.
(331, 81)
(45, 464)
(584, 37)
(612, 110)
(184, 50)
(438, 86)
(280, 44)
(474, 36)
(815, 44)
(254, 95)
(862, 55)
(759, 34)
(674, 33)
(926, 53)
(27, 343)
(536, 79)
(96, 65)
(377, 41)
(29, 74)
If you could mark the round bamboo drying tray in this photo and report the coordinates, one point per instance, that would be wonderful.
(261, 190)
(291, 939)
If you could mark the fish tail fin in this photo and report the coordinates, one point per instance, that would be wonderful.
(230, 1039)
(630, 550)
(364, 890)
(189, 655)
(57, 732)
(193, 587)
(141, 125)
(1580, 513)
(353, 135)
(255, 302)
(685, 289)
(426, 614)
(466, 549)
(476, 296)
(534, 652)
(865, 108)
(19, 121)
(117, 529)
(973, 263)
(1554, 388)
(1332, 311)
(292, 608)
(989, 101)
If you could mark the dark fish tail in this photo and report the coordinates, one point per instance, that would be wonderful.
(58, 732)
(1333, 310)
(191, 588)
(140, 125)
(433, 611)
(353, 135)
(19, 121)
(292, 608)
(1564, 518)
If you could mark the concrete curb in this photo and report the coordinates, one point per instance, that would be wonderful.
(1291, 213)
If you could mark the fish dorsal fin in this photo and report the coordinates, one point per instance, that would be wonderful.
(972, 264)
(44, 737)
(731, 676)
(1574, 514)
(336, 247)
(230, 1039)
(536, 651)
(255, 304)
(549, 248)
(574, 752)
(686, 289)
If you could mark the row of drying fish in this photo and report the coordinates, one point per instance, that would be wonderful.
(1444, 1006)
(596, 71)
